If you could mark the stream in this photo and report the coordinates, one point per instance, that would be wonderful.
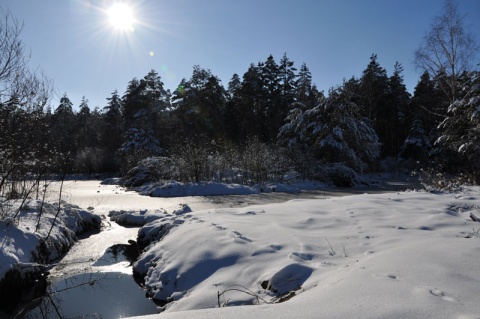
(94, 279)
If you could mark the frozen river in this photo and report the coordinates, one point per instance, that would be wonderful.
(94, 279)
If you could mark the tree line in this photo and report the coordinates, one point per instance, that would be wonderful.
(274, 106)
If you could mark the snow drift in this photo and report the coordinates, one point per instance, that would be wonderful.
(396, 255)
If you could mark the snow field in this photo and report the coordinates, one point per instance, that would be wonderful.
(396, 255)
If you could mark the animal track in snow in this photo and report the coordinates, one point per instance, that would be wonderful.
(441, 294)
(395, 277)
(236, 234)
(300, 256)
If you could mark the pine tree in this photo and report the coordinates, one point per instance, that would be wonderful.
(143, 103)
(63, 133)
(112, 132)
(200, 105)
(460, 131)
(397, 106)
(416, 145)
(335, 130)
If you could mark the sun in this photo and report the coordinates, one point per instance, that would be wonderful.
(121, 17)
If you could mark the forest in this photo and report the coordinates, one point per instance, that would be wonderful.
(268, 122)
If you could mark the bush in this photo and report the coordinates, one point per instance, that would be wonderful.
(340, 175)
(152, 169)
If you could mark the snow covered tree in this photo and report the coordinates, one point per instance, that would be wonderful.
(335, 130)
(143, 104)
(343, 135)
(63, 133)
(417, 144)
(460, 131)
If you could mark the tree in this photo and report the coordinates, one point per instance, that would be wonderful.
(13, 59)
(396, 113)
(335, 130)
(460, 132)
(200, 105)
(24, 132)
(427, 105)
(307, 95)
(373, 86)
(143, 104)
(416, 145)
(63, 133)
(373, 90)
(232, 117)
(447, 49)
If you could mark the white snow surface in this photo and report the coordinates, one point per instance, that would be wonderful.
(402, 255)
(20, 234)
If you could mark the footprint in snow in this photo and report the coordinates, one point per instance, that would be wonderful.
(395, 277)
(296, 256)
(236, 234)
(441, 294)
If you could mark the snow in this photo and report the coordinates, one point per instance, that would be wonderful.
(23, 243)
(176, 189)
(409, 254)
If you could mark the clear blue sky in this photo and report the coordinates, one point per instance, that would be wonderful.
(74, 43)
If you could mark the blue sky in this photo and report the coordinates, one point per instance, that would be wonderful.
(73, 42)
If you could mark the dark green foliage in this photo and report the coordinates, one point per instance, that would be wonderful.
(460, 130)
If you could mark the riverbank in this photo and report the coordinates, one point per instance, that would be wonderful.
(33, 234)
(89, 254)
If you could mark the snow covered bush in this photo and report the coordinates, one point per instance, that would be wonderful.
(340, 175)
(152, 169)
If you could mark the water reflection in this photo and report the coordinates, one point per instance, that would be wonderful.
(106, 290)
(94, 295)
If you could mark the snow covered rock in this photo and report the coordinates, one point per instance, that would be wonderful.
(136, 218)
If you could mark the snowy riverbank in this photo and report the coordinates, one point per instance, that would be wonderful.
(32, 235)
(408, 254)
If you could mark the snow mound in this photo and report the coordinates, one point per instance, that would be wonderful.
(136, 218)
(396, 255)
(36, 233)
(177, 189)
(144, 216)
(27, 234)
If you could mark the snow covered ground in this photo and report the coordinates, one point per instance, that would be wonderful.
(402, 255)
(27, 234)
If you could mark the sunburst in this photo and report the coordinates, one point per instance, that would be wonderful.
(121, 16)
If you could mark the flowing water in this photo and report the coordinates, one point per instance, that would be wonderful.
(94, 279)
